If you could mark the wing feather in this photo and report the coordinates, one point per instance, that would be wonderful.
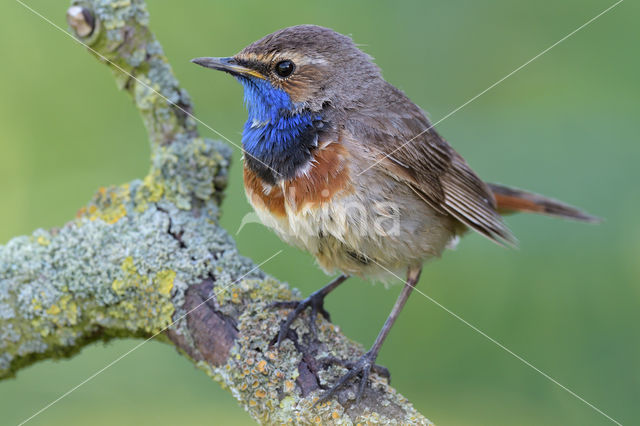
(427, 163)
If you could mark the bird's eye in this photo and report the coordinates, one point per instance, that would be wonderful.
(284, 68)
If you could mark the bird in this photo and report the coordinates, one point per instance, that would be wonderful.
(342, 164)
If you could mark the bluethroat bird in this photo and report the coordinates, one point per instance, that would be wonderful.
(342, 164)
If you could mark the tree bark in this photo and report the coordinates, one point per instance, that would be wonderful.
(148, 259)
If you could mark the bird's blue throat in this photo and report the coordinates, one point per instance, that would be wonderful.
(278, 139)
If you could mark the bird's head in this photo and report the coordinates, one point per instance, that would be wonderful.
(301, 68)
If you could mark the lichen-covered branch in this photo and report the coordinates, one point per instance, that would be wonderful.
(148, 258)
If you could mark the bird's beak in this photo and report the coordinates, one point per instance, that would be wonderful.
(229, 65)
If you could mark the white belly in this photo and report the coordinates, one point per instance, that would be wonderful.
(374, 234)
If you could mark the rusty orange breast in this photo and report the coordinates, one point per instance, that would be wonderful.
(325, 177)
(263, 195)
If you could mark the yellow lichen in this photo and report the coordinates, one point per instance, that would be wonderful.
(167, 310)
(35, 304)
(120, 4)
(131, 277)
(108, 204)
(128, 267)
(43, 241)
(148, 302)
(164, 281)
(118, 286)
(150, 191)
(289, 386)
(72, 313)
(115, 214)
(53, 310)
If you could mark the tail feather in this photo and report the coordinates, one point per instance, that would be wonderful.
(510, 200)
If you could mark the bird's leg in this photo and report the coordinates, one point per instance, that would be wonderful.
(366, 362)
(315, 301)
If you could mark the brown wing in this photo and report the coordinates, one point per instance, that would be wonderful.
(395, 135)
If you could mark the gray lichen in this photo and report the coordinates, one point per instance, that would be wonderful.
(147, 257)
(266, 378)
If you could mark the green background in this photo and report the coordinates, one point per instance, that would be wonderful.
(565, 126)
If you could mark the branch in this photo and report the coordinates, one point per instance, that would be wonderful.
(148, 258)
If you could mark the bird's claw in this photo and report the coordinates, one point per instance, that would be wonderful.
(362, 367)
(315, 301)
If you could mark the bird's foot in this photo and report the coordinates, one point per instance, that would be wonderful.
(315, 301)
(361, 367)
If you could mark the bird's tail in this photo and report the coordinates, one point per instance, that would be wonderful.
(511, 200)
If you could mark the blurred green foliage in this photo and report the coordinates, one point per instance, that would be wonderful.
(564, 126)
